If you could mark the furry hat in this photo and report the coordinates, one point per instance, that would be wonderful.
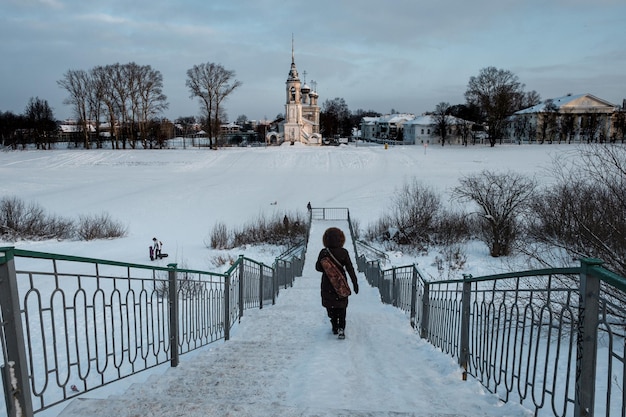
(333, 238)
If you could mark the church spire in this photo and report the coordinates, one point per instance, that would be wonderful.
(293, 73)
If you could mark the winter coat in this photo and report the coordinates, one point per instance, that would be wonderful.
(333, 241)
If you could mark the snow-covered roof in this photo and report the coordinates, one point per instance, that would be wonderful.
(430, 120)
(396, 118)
(571, 101)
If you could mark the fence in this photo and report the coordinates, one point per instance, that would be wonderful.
(71, 324)
(551, 339)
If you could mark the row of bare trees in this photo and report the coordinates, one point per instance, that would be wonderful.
(127, 96)
(36, 125)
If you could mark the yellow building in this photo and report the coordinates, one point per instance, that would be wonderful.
(572, 118)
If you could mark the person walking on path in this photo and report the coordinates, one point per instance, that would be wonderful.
(336, 306)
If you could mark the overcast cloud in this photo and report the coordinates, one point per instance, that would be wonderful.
(407, 55)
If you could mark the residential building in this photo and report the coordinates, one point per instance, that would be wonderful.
(571, 118)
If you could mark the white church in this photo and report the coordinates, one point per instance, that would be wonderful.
(302, 113)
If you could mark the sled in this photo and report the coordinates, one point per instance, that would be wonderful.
(154, 256)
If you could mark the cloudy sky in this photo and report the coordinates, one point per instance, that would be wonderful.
(406, 55)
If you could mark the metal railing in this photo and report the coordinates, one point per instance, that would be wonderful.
(538, 337)
(72, 324)
(332, 213)
(336, 214)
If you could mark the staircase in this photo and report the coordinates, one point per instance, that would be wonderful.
(284, 361)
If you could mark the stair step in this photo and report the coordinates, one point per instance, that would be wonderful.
(120, 407)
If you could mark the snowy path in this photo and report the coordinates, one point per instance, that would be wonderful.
(284, 361)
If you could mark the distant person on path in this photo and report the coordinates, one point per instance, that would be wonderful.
(156, 249)
(335, 305)
(308, 206)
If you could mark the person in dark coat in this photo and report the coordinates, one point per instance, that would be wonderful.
(334, 240)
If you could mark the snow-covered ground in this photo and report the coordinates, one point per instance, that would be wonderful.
(179, 195)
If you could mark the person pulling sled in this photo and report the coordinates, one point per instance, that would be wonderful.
(155, 250)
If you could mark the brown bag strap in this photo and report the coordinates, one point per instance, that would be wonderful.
(334, 259)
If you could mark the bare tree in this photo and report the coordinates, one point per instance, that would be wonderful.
(120, 93)
(103, 95)
(567, 127)
(414, 214)
(498, 93)
(151, 100)
(619, 126)
(549, 122)
(11, 129)
(335, 117)
(523, 127)
(582, 215)
(502, 199)
(590, 126)
(529, 99)
(40, 122)
(413, 218)
(78, 85)
(212, 84)
(442, 119)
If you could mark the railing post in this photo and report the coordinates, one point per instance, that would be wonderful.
(587, 341)
(274, 286)
(413, 297)
(465, 323)
(425, 311)
(19, 403)
(394, 296)
(241, 287)
(173, 301)
(278, 269)
(227, 305)
(261, 286)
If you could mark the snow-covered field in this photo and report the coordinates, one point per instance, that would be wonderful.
(179, 195)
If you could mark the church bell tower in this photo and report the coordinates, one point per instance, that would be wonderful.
(293, 104)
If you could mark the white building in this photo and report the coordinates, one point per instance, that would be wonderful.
(384, 128)
(407, 129)
(571, 118)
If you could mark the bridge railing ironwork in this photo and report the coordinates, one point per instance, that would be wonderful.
(552, 339)
(73, 324)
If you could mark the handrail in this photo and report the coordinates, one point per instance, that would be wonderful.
(103, 320)
(379, 254)
(529, 336)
